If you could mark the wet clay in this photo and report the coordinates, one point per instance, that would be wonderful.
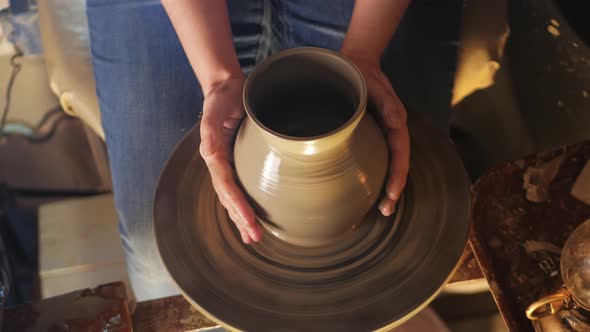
(309, 156)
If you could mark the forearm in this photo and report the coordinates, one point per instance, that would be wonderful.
(204, 30)
(372, 25)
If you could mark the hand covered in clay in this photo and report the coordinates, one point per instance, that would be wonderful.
(222, 113)
(392, 114)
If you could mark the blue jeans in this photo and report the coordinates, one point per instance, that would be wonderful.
(149, 96)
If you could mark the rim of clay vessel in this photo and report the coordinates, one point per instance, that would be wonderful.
(347, 70)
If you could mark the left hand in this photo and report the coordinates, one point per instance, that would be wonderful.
(393, 116)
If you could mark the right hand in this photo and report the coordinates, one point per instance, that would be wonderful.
(223, 111)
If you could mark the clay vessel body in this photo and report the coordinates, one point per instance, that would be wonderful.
(309, 156)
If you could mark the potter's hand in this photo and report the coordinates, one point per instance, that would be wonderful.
(222, 114)
(392, 114)
(370, 30)
(204, 30)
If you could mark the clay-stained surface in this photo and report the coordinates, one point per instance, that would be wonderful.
(505, 222)
(170, 314)
(468, 269)
(102, 309)
(538, 179)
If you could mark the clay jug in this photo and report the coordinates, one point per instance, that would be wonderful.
(308, 154)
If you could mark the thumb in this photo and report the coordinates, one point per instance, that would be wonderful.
(388, 107)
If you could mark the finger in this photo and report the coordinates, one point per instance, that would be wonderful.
(243, 233)
(217, 130)
(228, 190)
(232, 123)
(237, 222)
(399, 144)
(232, 213)
(217, 134)
(245, 237)
(228, 204)
(229, 115)
(387, 206)
(211, 139)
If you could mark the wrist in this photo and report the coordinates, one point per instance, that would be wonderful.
(219, 78)
(361, 56)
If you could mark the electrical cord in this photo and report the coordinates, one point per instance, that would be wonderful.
(16, 67)
(46, 127)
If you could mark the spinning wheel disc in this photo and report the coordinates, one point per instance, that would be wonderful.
(383, 273)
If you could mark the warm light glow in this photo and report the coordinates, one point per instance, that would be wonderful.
(270, 172)
(309, 148)
(364, 181)
(362, 177)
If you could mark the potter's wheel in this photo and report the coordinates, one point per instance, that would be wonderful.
(378, 277)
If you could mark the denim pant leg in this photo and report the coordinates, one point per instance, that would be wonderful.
(149, 98)
(298, 23)
(420, 60)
